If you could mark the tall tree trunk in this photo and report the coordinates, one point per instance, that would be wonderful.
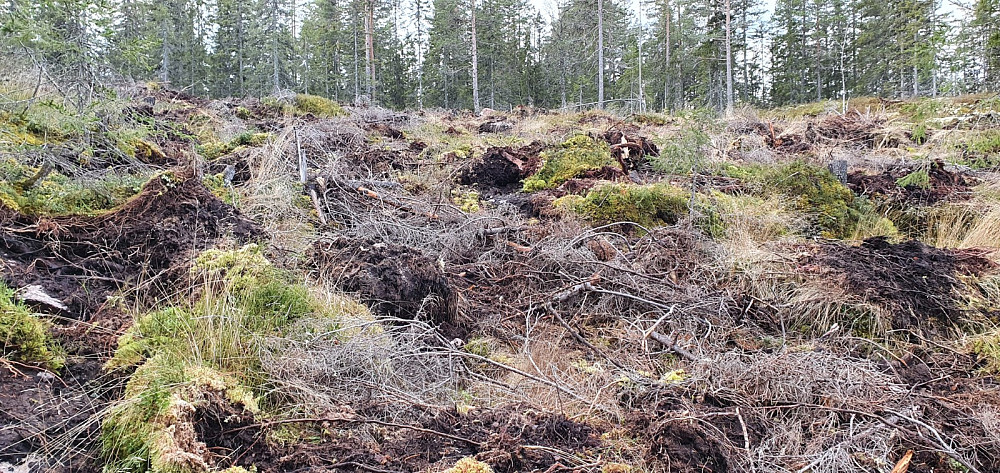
(729, 57)
(419, 55)
(600, 53)
(275, 79)
(370, 47)
(239, 47)
(475, 61)
(666, 62)
(642, 98)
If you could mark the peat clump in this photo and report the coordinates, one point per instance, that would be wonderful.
(399, 282)
(913, 186)
(913, 280)
(503, 167)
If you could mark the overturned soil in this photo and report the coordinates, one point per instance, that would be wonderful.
(398, 281)
(503, 168)
(942, 185)
(914, 280)
(81, 260)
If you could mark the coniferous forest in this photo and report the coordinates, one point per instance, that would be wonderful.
(664, 54)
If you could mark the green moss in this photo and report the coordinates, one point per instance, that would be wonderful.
(153, 430)
(814, 191)
(469, 465)
(225, 192)
(57, 194)
(319, 106)
(574, 156)
(24, 337)
(216, 149)
(654, 204)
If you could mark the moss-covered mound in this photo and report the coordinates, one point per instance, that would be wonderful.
(566, 161)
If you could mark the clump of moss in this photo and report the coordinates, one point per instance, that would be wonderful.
(225, 192)
(576, 155)
(57, 194)
(814, 191)
(24, 337)
(468, 201)
(216, 149)
(654, 204)
(319, 106)
(469, 465)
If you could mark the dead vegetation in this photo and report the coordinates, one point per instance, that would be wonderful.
(522, 292)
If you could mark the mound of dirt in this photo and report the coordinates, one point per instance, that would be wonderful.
(912, 279)
(80, 260)
(230, 434)
(942, 185)
(503, 167)
(398, 281)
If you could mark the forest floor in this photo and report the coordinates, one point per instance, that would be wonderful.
(286, 284)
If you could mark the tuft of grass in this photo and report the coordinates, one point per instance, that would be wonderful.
(574, 156)
(319, 106)
(649, 205)
(24, 337)
(987, 348)
(186, 355)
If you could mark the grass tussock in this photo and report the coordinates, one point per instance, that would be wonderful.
(319, 106)
(183, 355)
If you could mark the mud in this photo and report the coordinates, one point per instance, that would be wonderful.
(397, 281)
(943, 185)
(915, 281)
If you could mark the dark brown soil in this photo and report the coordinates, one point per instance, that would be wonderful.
(943, 185)
(81, 260)
(503, 168)
(509, 439)
(914, 280)
(398, 281)
(231, 434)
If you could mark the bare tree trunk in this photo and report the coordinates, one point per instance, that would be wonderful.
(370, 47)
(357, 80)
(475, 62)
(419, 55)
(642, 98)
(600, 53)
(729, 57)
(239, 47)
(666, 67)
(275, 80)
(164, 54)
